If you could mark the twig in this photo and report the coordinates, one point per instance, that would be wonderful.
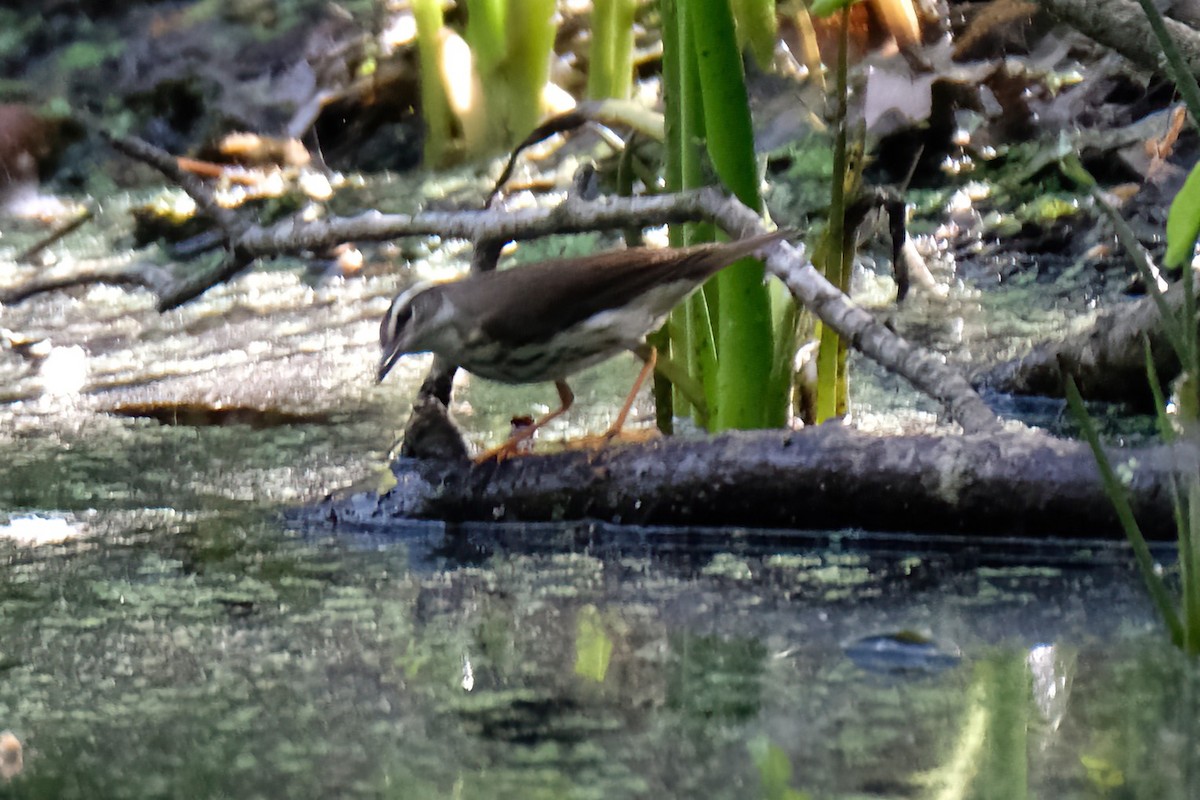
(231, 225)
(182, 291)
(26, 255)
(146, 276)
(167, 164)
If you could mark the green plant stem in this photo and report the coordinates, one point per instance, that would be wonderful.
(686, 384)
(434, 107)
(485, 34)
(1176, 334)
(1190, 358)
(610, 64)
(1120, 500)
(756, 25)
(673, 124)
(1004, 763)
(622, 61)
(1165, 431)
(600, 54)
(702, 354)
(743, 326)
(1188, 525)
(1189, 553)
(673, 178)
(699, 352)
(829, 370)
(530, 45)
(786, 318)
(1185, 81)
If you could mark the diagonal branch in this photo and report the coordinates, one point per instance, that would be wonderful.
(925, 370)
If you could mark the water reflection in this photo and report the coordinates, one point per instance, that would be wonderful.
(218, 654)
(171, 636)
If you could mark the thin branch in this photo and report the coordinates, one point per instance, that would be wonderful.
(143, 276)
(166, 163)
(59, 232)
(189, 288)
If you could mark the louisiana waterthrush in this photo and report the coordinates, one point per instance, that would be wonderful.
(546, 321)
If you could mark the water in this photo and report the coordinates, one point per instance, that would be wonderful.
(226, 653)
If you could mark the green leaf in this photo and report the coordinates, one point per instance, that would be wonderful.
(1183, 220)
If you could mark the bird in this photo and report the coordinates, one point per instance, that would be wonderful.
(548, 320)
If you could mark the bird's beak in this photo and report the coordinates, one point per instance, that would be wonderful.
(387, 362)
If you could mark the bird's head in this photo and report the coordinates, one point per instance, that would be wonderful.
(410, 325)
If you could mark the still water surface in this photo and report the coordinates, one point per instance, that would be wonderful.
(173, 634)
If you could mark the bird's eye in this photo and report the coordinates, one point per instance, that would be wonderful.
(395, 321)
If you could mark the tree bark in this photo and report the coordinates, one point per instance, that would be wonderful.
(1012, 483)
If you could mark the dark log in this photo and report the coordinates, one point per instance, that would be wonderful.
(1012, 483)
(1121, 25)
(1107, 360)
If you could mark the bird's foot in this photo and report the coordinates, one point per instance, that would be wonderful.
(613, 435)
(519, 443)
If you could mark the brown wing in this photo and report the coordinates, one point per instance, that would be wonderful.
(530, 303)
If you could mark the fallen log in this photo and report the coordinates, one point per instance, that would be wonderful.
(1012, 483)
